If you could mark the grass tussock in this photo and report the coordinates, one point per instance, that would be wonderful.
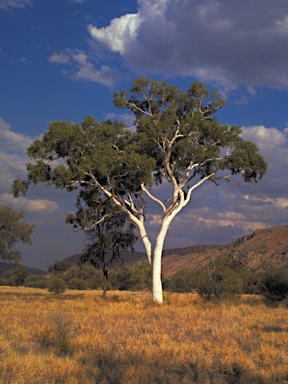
(82, 339)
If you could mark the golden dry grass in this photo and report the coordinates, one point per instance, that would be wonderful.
(78, 338)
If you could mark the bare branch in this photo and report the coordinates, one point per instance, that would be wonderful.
(153, 197)
(133, 105)
(96, 223)
(200, 182)
(227, 178)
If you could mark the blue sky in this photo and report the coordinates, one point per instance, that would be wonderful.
(62, 60)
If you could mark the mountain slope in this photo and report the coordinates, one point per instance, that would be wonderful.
(264, 248)
(259, 251)
(4, 266)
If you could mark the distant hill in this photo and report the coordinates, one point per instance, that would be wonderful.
(5, 266)
(259, 251)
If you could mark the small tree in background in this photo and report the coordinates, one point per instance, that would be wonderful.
(12, 231)
(16, 276)
(107, 239)
(59, 267)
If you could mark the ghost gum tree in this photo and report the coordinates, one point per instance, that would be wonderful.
(177, 140)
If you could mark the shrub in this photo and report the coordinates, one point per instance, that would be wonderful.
(16, 277)
(220, 279)
(88, 273)
(181, 282)
(36, 281)
(276, 284)
(56, 334)
(56, 285)
(141, 278)
(134, 278)
(77, 283)
(253, 283)
(121, 278)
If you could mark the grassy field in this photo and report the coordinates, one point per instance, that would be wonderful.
(79, 338)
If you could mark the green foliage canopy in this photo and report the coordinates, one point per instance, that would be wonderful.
(180, 132)
(177, 138)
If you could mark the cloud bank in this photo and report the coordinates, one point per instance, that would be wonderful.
(12, 155)
(52, 238)
(13, 161)
(229, 43)
(32, 206)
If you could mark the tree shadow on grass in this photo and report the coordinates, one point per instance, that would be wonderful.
(111, 368)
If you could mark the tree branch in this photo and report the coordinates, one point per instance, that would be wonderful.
(97, 222)
(133, 105)
(190, 190)
(153, 197)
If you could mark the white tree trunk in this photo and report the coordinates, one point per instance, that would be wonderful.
(157, 291)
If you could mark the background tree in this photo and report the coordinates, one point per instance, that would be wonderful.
(178, 140)
(15, 277)
(59, 267)
(108, 230)
(13, 230)
(107, 239)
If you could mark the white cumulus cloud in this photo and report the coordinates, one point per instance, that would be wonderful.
(226, 42)
(119, 33)
(33, 206)
(273, 145)
(81, 67)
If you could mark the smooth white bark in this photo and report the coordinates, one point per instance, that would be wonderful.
(157, 290)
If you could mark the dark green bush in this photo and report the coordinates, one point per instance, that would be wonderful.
(275, 284)
(134, 278)
(181, 282)
(141, 276)
(16, 276)
(36, 281)
(88, 273)
(76, 283)
(253, 283)
(56, 285)
(121, 278)
(220, 279)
